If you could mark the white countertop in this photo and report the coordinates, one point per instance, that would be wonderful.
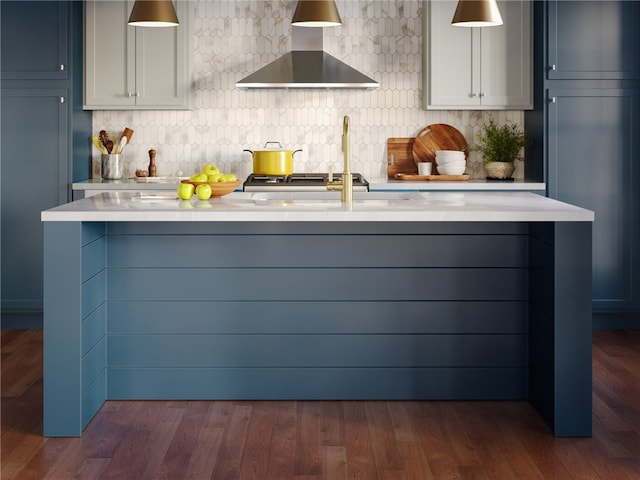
(468, 185)
(169, 183)
(320, 207)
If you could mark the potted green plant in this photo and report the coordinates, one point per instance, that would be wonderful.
(500, 146)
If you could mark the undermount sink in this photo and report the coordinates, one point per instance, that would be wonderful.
(327, 196)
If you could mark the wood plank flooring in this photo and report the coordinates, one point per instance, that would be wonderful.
(333, 440)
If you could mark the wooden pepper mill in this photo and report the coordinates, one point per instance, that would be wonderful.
(152, 163)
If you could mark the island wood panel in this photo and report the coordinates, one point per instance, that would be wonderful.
(291, 351)
(321, 284)
(325, 284)
(318, 383)
(75, 278)
(317, 228)
(93, 361)
(560, 379)
(541, 333)
(238, 317)
(93, 334)
(93, 365)
(94, 327)
(317, 250)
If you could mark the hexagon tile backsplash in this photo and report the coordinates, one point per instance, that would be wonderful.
(231, 39)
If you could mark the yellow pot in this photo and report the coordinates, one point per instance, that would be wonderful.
(272, 161)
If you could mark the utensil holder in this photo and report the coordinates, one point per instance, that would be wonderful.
(112, 166)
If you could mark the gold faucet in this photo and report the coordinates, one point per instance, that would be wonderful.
(346, 184)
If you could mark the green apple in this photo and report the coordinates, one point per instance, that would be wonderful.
(185, 191)
(209, 169)
(198, 177)
(229, 177)
(214, 177)
(203, 191)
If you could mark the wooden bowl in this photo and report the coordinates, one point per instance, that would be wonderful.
(218, 189)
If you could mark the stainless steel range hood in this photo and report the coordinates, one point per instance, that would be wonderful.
(307, 66)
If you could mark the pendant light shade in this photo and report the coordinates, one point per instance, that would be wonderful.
(316, 13)
(153, 13)
(477, 13)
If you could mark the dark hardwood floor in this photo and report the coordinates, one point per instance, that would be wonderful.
(312, 440)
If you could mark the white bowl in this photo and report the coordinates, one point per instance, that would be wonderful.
(452, 163)
(447, 170)
(445, 153)
(451, 157)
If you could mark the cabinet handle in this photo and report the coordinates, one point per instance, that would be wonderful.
(62, 68)
(62, 99)
(473, 95)
(552, 100)
(482, 94)
(553, 67)
(130, 94)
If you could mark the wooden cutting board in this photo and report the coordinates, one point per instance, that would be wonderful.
(400, 157)
(441, 178)
(438, 136)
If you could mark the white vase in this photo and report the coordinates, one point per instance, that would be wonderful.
(499, 170)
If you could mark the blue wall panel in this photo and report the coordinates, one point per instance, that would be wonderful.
(93, 397)
(232, 317)
(93, 293)
(318, 383)
(93, 258)
(357, 350)
(282, 284)
(216, 300)
(94, 327)
(264, 251)
(93, 363)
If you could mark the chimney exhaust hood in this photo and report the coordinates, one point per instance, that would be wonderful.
(307, 65)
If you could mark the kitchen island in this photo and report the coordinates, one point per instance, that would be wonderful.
(88, 188)
(416, 295)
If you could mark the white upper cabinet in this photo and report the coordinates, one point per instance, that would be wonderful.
(477, 68)
(135, 67)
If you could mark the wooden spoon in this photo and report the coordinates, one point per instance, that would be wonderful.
(127, 132)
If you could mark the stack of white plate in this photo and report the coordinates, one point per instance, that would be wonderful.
(450, 162)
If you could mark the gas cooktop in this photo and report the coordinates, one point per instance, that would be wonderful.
(299, 182)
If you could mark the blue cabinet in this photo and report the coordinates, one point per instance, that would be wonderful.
(592, 40)
(35, 40)
(45, 140)
(592, 162)
(34, 176)
(585, 125)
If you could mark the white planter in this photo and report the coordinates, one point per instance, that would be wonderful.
(499, 170)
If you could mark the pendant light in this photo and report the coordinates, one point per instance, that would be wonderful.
(153, 13)
(316, 13)
(477, 13)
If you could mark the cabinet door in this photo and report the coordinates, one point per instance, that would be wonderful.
(449, 59)
(162, 66)
(35, 177)
(478, 68)
(593, 40)
(109, 54)
(593, 160)
(506, 51)
(135, 67)
(34, 46)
